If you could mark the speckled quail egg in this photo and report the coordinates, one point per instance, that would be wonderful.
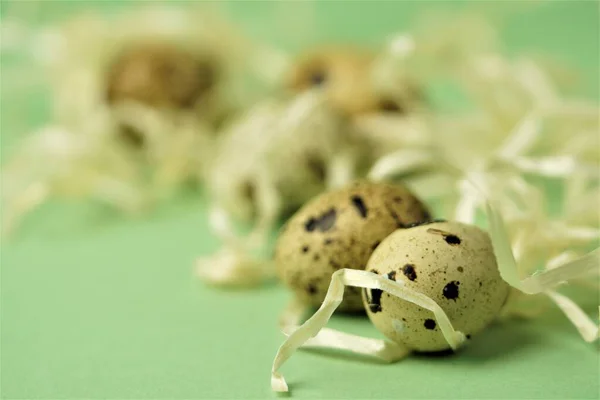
(345, 74)
(452, 263)
(340, 229)
(288, 145)
(159, 75)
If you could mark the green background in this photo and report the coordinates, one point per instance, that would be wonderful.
(96, 307)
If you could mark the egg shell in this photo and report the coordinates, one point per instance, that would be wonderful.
(296, 154)
(343, 72)
(353, 82)
(340, 229)
(452, 263)
(159, 75)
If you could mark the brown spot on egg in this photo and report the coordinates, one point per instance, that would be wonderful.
(132, 136)
(429, 324)
(390, 106)
(359, 205)
(450, 291)
(323, 223)
(395, 217)
(450, 238)
(342, 73)
(375, 301)
(409, 271)
(248, 190)
(318, 76)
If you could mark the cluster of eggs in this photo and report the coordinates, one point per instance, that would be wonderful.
(426, 284)
(385, 229)
(172, 103)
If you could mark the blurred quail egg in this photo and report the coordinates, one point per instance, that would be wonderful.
(159, 75)
(345, 75)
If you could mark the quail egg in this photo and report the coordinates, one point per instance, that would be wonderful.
(452, 263)
(340, 229)
(345, 75)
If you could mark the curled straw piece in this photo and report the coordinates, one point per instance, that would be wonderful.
(383, 350)
(544, 281)
(586, 327)
(74, 164)
(541, 281)
(233, 264)
(335, 293)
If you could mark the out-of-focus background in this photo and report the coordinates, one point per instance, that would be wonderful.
(93, 306)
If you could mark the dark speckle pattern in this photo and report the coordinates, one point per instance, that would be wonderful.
(322, 223)
(305, 249)
(360, 206)
(395, 217)
(391, 275)
(451, 239)
(318, 77)
(409, 271)
(389, 105)
(429, 324)
(375, 301)
(450, 291)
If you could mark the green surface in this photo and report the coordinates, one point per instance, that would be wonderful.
(95, 307)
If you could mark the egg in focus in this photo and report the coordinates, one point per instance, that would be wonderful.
(341, 229)
(453, 264)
